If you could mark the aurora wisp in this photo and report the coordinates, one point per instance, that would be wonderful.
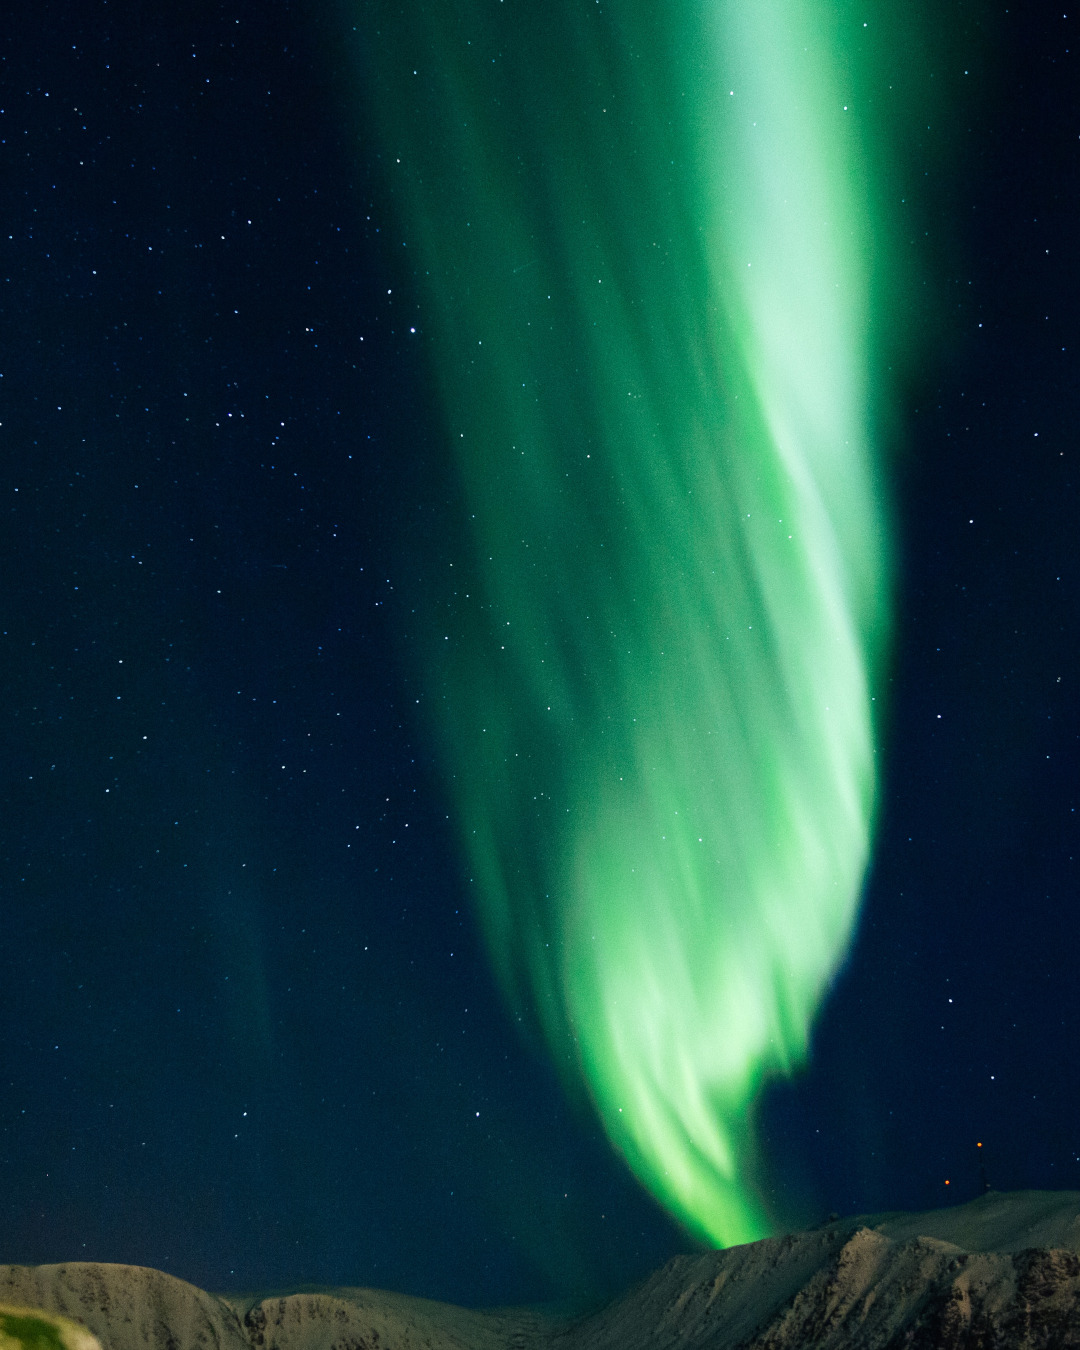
(644, 237)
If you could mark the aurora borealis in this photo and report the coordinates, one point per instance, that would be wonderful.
(261, 1027)
(645, 237)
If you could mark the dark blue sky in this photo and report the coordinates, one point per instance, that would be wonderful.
(248, 1033)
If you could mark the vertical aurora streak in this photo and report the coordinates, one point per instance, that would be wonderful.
(645, 236)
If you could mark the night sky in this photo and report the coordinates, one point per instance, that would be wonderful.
(249, 1032)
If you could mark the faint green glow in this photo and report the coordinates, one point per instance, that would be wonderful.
(36, 1329)
(645, 236)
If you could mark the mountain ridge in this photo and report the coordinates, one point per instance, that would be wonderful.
(999, 1273)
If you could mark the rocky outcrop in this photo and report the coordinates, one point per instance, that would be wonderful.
(363, 1319)
(968, 1278)
(868, 1292)
(127, 1307)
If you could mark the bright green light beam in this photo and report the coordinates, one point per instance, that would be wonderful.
(645, 236)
